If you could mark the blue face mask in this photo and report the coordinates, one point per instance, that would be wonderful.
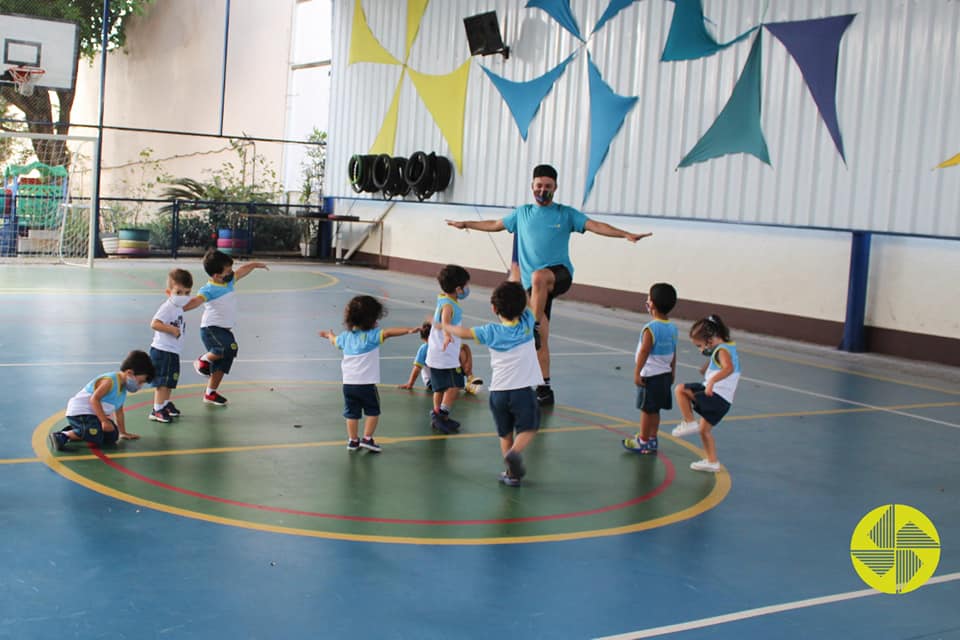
(132, 385)
(465, 294)
(708, 351)
(544, 198)
(228, 278)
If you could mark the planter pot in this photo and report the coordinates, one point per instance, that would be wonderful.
(232, 241)
(111, 244)
(134, 243)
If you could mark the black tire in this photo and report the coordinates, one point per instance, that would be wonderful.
(443, 171)
(419, 170)
(355, 173)
(382, 166)
(396, 185)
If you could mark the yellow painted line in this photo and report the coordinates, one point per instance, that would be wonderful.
(860, 374)
(716, 495)
(19, 460)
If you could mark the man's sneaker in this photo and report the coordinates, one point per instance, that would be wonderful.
(370, 445)
(58, 440)
(443, 423)
(507, 480)
(514, 462)
(686, 429)
(202, 367)
(214, 398)
(172, 410)
(536, 336)
(160, 415)
(705, 465)
(353, 445)
(545, 395)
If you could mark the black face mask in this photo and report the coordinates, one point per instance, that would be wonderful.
(544, 198)
(708, 351)
(228, 278)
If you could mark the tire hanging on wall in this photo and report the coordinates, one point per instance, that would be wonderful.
(360, 172)
(397, 185)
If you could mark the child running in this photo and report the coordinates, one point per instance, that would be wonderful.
(360, 366)
(656, 368)
(516, 374)
(712, 398)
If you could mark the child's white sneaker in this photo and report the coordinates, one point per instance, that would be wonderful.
(473, 385)
(705, 465)
(686, 429)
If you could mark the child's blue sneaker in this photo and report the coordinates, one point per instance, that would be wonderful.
(370, 445)
(633, 444)
(508, 480)
(58, 440)
(443, 423)
(514, 462)
(353, 445)
(172, 410)
(160, 415)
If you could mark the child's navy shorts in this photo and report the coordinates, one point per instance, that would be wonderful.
(655, 395)
(515, 410)
(359, 400)
(711, 408)
(88, 428)
(167, 366)
(443, 379)
(219, 342)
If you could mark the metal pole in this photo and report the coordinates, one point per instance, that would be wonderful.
(223, 78)
(98, 149)
(854, 334)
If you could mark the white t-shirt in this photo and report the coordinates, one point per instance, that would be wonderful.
(361, 356)
(220, 305)
(168, 313)
(513, 354)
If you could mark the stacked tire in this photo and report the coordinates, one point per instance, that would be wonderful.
(423, 173)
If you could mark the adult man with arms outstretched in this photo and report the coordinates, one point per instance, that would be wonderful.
(543, 238)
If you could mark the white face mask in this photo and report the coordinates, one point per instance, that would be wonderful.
(179, 301)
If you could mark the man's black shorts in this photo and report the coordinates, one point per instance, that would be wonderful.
(561, 284)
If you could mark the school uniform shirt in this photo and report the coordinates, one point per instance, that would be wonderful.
(421, 361)
(220, 305)
(361, 356)
(543, 236)
(513, 355)
(437, 356)
(727, 387)
(660, 358)
(79, 405)
(169, 313)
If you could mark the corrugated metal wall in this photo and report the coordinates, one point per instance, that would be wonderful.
(897, 98)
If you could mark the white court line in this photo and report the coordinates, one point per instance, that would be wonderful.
(763, 611)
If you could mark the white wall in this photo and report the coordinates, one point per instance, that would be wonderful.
(170, 78)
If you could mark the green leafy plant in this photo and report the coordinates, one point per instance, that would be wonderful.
(313, 171)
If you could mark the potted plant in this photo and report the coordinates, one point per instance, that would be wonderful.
(312, 171)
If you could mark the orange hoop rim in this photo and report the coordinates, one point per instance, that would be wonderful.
(24, 74)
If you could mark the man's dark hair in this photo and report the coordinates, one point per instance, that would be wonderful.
(451, 277)
(141, 364)
(544, 171)
(664, 297)
(181, 277)
(509, 300)
(362, 313)
(215, 262)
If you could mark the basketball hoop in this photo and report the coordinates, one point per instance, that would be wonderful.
(25, 78)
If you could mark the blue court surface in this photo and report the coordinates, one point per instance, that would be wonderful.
(253, 521)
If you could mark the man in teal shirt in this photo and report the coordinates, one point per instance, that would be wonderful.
(542, 232)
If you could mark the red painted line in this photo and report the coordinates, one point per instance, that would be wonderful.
(667, 481)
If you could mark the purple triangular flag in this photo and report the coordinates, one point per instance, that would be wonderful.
(815, 46)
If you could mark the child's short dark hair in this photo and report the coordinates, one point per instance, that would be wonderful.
(509, 300)
(425, 330)
(362, 312)
(141, 364)
(664, 297)
(709, 327)
(215, 262)
(181, 277)
(451, 277)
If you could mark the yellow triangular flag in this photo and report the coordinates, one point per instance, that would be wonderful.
(446, 99)
(387, 137)
(364, 46)
(952, 162)
(415, 10)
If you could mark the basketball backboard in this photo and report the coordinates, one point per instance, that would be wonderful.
(50, 45)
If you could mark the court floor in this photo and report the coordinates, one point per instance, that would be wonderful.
(253, 521)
